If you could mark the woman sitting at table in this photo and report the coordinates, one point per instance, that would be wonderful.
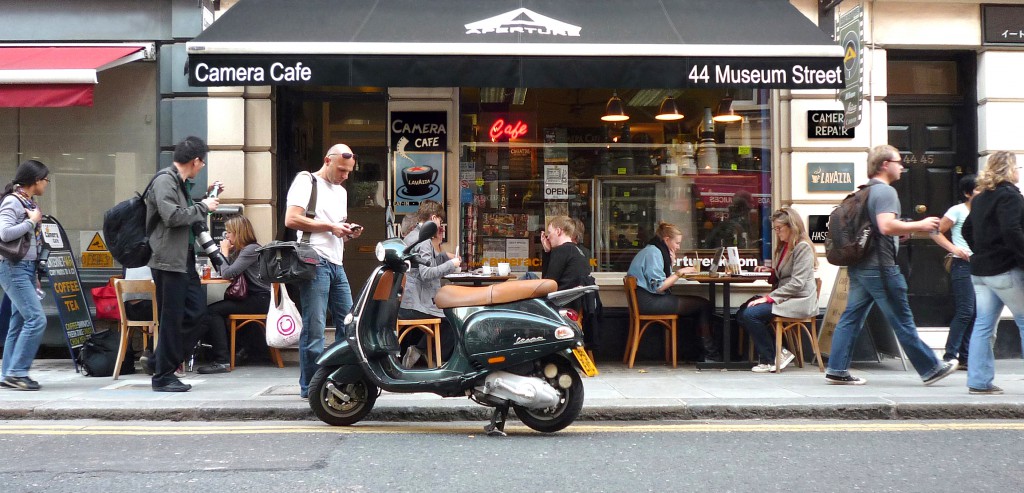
(239, 247)
(794, 295)
(562, 260)
(653, 269)
(421, 285)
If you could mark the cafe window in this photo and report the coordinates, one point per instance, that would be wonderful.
(530, 154)
(97, 155)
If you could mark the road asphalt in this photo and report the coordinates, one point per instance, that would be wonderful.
(649, 391)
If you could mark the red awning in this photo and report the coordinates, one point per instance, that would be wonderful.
(56, 76)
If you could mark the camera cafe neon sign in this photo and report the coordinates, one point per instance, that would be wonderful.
(512, 131)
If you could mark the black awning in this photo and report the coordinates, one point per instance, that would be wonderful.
(516, 43)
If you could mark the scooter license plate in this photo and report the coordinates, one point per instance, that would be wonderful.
(585, 362)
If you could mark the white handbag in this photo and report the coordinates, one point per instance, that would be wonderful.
(284, 322)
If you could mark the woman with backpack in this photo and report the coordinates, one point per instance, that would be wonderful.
(19, 221)
(959, 269)
(995, 232)
(794, 293)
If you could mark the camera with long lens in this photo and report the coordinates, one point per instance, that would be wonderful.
(205, 241)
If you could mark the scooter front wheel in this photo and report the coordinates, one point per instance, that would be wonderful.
(562, 414)
(337, 403)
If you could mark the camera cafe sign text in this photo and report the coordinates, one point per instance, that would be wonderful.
(419, 131)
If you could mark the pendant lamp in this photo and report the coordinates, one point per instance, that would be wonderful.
(614, 111)
(669, 111)
(725, 114)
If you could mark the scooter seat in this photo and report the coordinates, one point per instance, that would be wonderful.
(452, 296)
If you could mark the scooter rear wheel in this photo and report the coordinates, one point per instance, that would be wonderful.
(334, 409)
(562, 414)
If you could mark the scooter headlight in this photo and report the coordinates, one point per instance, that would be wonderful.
(379, 252)
(349, 318)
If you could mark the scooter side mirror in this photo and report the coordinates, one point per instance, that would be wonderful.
(427, 231)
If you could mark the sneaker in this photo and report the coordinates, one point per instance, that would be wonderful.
(411, 356)
(993, 390)
(948, 367)
(763, 368)
(787, 358)
(962, 366)
(21, 383)
(847, 380)
(214, 368)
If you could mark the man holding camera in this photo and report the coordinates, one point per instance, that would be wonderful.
(328, 231)
(170, 216)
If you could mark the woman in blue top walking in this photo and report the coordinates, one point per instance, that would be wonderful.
(653, 268)
(960, 285)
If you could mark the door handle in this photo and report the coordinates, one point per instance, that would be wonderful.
(920, 208)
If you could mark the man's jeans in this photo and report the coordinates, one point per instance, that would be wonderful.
(992, 292)
(867, 287)
(331, 290)
(963, 314)
(28, 322)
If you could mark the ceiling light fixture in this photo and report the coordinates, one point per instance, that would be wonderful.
(614, 110)
(725, 113)
(519, 96)
(492, 94)
(669, 111)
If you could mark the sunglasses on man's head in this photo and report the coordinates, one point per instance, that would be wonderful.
(346, 155)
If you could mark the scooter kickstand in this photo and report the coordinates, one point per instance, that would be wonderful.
(497, 426)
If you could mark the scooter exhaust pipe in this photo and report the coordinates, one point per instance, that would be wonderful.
(529, 392)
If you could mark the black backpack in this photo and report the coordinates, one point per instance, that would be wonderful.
(99, 353)
(124, 227)
(850, 229)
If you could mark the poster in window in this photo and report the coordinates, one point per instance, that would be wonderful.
(419, 176)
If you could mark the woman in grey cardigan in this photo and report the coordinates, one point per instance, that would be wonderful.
(795, 294)
(19, 218)
(421, 284)
(239, 247)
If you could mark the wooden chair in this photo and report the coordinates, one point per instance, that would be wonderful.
(429, 326)
(791, 329)
(148, 327)
(638, 324)
(238, 321)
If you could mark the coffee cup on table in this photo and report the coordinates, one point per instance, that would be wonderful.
(486, 269)
(504, 269)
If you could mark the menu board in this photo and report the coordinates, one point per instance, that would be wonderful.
(65, 284)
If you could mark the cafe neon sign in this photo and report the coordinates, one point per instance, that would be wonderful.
(501, 129)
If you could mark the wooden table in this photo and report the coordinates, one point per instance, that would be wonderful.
(214, 280)
(477, 279)
(727, 321)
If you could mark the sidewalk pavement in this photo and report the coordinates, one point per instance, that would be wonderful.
(646, 392)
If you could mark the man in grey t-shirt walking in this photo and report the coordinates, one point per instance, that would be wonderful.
(877, 279)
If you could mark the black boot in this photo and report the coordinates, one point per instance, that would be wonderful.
(712, 353)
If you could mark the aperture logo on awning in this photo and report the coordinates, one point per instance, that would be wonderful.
(522, 21)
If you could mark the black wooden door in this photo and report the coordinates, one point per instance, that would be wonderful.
(931, 140)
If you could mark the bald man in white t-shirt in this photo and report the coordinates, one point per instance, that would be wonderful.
(328, 231)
